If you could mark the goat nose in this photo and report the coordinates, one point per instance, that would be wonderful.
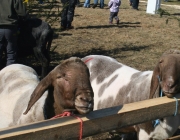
(169, 84)
(84, 99)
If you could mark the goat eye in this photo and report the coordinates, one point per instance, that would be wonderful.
(161, 61)
(58, 77)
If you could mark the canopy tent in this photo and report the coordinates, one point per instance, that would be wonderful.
(153, 6)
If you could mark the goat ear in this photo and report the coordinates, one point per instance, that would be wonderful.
(154, 81)
(39, 91)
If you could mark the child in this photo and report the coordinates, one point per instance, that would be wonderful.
(114, 9)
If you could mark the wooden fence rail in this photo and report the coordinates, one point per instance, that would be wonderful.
(95, 122)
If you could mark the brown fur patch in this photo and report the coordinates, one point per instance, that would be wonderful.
(102, 89)
(104, 86)
(129, 88)
(103, 69)
(109, 101)
(17, 85)
(10, 77)
(148, 127)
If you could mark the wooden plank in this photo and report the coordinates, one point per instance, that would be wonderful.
(95, 122)
(175, 138)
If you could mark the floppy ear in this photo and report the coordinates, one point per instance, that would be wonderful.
(154, 81)
(39, 91)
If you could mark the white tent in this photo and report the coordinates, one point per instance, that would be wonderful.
(153, 6)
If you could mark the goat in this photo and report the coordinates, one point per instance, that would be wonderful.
(115, 84)
(35, 37)
(69, 90)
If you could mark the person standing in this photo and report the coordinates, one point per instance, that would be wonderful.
(130, 2)
(87, 4)
(96, 3)
(78, 3)
(10, 10)
(67, 14)
(114, 9)
(135, 4)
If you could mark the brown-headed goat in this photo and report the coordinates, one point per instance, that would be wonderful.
(115, 84)
(66, 88)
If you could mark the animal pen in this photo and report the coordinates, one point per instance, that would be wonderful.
(99, 121)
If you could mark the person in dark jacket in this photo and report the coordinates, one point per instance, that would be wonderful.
(67, 14)
(135, 4)
(9, 12)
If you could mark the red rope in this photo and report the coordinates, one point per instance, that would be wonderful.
(71, 114)
(88, 60)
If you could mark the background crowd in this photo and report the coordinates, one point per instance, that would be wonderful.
(11, 10)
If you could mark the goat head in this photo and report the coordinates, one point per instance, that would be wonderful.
(71, 84)
(166, 75)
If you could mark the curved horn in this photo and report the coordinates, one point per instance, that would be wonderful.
(154, 81)
(39, 91)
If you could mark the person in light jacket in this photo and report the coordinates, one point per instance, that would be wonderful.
(114, 9)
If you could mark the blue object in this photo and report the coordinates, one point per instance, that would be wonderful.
(156, 122)
(87, 3)
(175, 113)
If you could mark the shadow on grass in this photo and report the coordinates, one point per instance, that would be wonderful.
(58, 32)
(171, 2)
(96, 51)
(56, 58)
(121, 25)
(176, 14)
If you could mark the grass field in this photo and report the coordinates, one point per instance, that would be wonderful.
(138, 41)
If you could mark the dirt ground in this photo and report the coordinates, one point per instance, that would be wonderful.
(138, 41)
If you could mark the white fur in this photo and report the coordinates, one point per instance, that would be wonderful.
(143, 135)
(169, 124)
(11, 93)
(113, 89)
(124, 78)
(129, 88)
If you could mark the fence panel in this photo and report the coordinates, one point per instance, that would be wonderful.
(95, 122)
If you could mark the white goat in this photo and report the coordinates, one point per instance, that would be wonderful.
(69, 89)
(115, 84)
(17, 83)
